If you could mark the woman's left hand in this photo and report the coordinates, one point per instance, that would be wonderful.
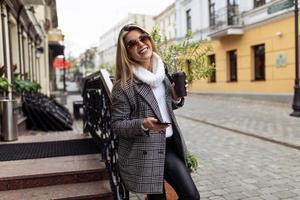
(174, 95)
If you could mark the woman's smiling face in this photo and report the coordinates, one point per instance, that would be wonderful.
(139, 47)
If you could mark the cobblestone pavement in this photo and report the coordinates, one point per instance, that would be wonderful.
(234, 166)
(271, 121)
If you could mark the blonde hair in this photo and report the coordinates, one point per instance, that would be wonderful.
(124, 64)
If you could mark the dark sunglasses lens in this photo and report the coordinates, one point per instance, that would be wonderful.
(131, 43)
(144, 37)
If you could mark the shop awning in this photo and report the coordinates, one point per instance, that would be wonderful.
(56, 48)
(60, 63)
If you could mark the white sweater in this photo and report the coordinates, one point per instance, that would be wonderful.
(154, 79)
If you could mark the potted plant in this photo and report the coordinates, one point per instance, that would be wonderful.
(26, 86)
(4, 84)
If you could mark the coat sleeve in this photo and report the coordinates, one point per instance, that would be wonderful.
(121, 122)
(178, 105)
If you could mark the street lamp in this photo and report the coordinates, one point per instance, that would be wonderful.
(296, 99)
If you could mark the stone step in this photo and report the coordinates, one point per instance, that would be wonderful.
(22, 174)
(79, 191)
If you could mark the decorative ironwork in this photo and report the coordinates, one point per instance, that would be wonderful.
(96, 106)
(224, 17)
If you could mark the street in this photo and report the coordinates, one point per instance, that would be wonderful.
(233, 165)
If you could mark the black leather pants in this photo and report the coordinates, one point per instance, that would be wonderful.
(178, 176)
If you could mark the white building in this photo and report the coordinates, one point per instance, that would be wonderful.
(166, 22)
(192, 15)
(108, 41)
(206, 18)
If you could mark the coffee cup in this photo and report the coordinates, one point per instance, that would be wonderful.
(179, 80)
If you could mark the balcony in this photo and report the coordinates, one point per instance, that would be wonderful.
(225, 21)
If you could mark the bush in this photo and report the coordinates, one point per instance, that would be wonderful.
(186, 55)
(26, 86)
(4, 84)
(192, 162)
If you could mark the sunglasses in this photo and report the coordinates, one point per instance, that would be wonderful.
(142, 38)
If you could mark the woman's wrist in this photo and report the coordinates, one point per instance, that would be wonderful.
(143, 125)
(176, 101)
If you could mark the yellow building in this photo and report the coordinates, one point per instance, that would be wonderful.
(255, 56)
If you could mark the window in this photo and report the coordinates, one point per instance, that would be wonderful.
(188, 20)
(259, 62)
(212, 14)
(231, 2)
(258, 3)
(232, 60)
(232, 12)
(212, 61)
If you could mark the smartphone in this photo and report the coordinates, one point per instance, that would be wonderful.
(165, 123)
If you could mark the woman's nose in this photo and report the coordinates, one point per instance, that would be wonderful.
(139, 43)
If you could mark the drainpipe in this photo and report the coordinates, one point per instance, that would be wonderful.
(23, 53)
(7, 50)
(19, 42)
(29, 58)
(3, 35)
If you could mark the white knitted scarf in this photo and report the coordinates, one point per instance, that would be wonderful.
(153, 78)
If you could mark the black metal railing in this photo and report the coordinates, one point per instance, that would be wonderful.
(97, 115)
(224, 17)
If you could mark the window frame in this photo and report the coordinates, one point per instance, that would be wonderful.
(259, 72)
(212, 12)
(232, 65)
(212, 60)
(188, 20)
(258, 3)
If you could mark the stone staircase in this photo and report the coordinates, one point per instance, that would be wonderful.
(68, 177)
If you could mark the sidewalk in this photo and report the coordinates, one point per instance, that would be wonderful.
(264, 120)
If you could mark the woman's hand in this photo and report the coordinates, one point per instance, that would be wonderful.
(152, 123)
(174, 95)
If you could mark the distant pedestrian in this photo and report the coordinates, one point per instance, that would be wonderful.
(142, 98)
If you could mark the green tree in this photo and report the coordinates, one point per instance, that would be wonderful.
(186, 55)
(87, 59)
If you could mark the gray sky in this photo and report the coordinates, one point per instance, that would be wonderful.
(83, 21)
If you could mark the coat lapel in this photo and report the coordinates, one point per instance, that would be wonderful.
(168, 94)
(145, 91)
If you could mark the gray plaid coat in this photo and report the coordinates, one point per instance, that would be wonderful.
(142, 153)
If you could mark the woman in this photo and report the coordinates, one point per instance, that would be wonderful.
(142, 98)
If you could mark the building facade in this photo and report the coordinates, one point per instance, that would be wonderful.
(166, 22)
(108, 41)
(23, 40)
(253, 43)
(24, 53)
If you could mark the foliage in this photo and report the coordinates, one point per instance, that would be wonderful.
(26, 86)
(87, 59)
(186, 55)
(111, 68)
(192, 162)
(4, 84)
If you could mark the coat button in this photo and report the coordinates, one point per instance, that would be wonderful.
(144, 152)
